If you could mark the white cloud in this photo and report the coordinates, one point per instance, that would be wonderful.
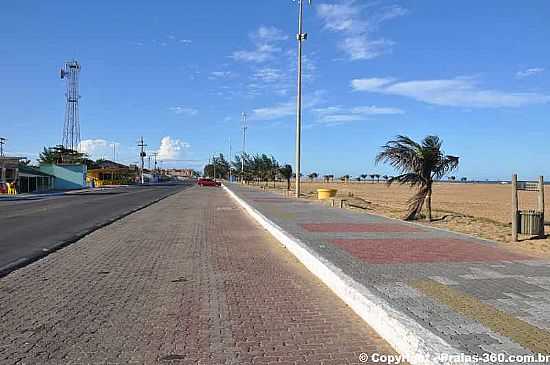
(350, 19)
(336, 114)
(171, 149)
(361, 48)
(268, 75)
(265, 39)
(262, 53)
(221, 75)
(184, 110)
(287, 109)
(269, 34)
(277, 111)
(98, 148)
(457, 92)
(529, 72)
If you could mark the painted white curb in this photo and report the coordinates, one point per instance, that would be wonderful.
(404, 334)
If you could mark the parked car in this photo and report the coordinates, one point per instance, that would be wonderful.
(208, 182)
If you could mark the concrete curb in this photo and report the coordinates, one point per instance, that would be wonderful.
(405, 335)
(10, 198)
(24, 261)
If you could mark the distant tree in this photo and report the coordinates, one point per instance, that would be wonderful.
(463, 179)
(60, 155)
(25, 162)
(344, 178)
(364, 176)
(419, 164)
(385, 177)
(372, 177)
(313, 176)
(286, 173)
(377, 176)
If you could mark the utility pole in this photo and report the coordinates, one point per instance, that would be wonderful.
(142, 155)
(301, 37)
(2, 143)
(155, 154)
(244, 127)
(214, 163)
(230, 159)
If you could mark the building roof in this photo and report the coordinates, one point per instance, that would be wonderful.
(103, 164)
(31, 171)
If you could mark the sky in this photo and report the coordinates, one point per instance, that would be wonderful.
(181, 73)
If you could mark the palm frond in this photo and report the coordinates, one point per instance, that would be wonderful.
(410, 179)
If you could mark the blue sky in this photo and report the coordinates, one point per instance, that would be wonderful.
(180, 73)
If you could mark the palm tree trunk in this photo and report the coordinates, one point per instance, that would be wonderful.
(416, 203)
(429, 202)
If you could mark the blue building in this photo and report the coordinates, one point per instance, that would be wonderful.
(67, 176)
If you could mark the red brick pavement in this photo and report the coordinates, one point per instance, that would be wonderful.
(278, 312)
(403, 250)
(359, 227)
(189, 280)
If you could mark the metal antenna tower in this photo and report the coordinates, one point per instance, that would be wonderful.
(142, 155)
(244, 126)
(71, 129)
(2, 143)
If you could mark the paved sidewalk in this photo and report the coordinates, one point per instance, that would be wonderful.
(473, 295)
(191, 279)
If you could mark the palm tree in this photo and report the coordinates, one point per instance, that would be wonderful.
(419, 164)
(286, 173)
(364, 176)
(313, 176)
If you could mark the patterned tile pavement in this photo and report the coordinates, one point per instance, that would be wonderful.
(355, 227)
(478, 297)
(190, 280)
(405, 250)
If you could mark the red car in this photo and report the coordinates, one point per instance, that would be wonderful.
(208, 182)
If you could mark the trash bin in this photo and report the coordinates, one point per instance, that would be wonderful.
(531, 222)
(323, 194)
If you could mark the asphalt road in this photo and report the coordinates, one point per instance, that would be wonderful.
(32, 228)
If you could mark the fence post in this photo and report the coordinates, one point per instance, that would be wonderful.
(515, 208)
(541, 200)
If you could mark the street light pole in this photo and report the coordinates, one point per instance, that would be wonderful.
(244, 146)
(301, 36)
